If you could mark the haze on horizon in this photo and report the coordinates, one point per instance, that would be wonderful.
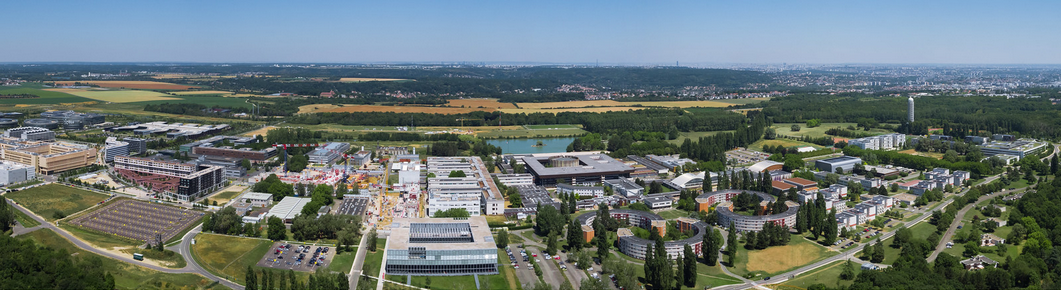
(624, 32)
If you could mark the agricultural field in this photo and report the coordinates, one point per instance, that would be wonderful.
(45, 97)
(550, 127)
(358, 80)
(49, 199)
(475, 103)
(612, 103)
(203, 93)
(116, 96)
(228, 256)
(126, 276)
(758, 145)
(778, 259)
(325, 108)
(207, 100)
(145, 85)
(829, 275)
(561, 110)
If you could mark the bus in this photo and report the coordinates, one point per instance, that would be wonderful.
(138, 256)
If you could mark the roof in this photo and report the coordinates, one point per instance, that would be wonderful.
(763, 165)
(404, 231)
(781, 185)
(800, 181)
(257, 195)
(840, 159)
(595, 164)
(288, 207)
(686, 178)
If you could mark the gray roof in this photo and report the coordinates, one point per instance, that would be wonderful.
(588, 165)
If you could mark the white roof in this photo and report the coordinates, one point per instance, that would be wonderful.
(288, 207)
(257, 195)
(685, 178)
(762, 165)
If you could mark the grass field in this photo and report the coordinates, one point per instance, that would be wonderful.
(758, 145)
(45, 97)
(48, 199)
(524, 133)
(695, 136)
(779, 259)
(358, 80)
(203, 93)
(100, 239)
(611, 103)
(786, 129)
(552, 127)
(492, 282)
(936, 155)
(228, 256)
(223, 197)
(25, 219)
(561, 110)
(208, 101)
(485, 103)
(317, 108)
(829, 275)
(126, 276)
(117, 96)
(374, 260)
(343, 262)
(147, 85)
(673, 214)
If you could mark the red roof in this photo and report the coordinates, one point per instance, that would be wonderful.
(800, 181)
(781, 185)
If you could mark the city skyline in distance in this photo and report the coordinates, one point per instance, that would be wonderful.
(620, 33)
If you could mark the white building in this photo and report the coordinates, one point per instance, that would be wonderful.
(880, 142)
(443, 201)
(112, 147)
(689, 180)
(256, 199)
(625, 187)
(11, 173)
(594, 191)
(328, 153)
(515, 179)
(288, 208)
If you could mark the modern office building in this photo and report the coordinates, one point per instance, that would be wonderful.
(575, 169)
(48, 158)
(173, 130)
(11, 173)
(847, 163)
(328, 153)
(670, 161)
(881, 142)
(580, 190)
(625, 187)
(112, 147)
(30, 134)
(691, 180)
(182, 181)
(360, 158)
(443, 200)
(136, 145)
(213, 147)
(73, 120)
(1020, 148)
(440, 247)
(477, 179)
(515, 179)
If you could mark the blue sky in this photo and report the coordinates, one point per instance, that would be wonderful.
(612, 32)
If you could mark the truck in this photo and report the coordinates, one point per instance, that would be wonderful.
(138, 256)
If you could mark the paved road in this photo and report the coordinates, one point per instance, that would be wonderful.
(184, 248)
(958, 220)
(359, 262)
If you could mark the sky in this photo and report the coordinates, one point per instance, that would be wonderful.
(608, 32)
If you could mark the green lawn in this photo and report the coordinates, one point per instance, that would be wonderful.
(343, 262)
(126, 276)
(206, 100)
(223, 197)
(100, 239)
(1018, 184)
(779, 259)
(556, 126)
(374, 260)
(758, 145)
(786, 129)
(228, 256)
(24, 219)
(454, 282)
(706, 276)
(45, 97)
(48, 199)
(673, 214)
(828, 275)
(695, 136)
(528, 133)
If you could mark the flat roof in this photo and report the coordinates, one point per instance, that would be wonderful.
(256, 195)
(588, 164)
(402, 229)
(840, 159)
(288, 207)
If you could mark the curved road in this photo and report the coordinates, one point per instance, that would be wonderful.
(184, 248)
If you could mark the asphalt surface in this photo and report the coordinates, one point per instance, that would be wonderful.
(184, 248)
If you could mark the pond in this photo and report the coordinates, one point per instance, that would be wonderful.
(527, 146)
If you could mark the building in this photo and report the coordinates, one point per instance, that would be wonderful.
(73, 120)
(217, 147)
(443, 200)
(781, 186)
(910, 109)
(440, 247)
(136, 145)
(979, 262)
(359, 159)
(880, 142)
(779, 175)
(744, 223)
(765, 166)
(175, 130)
(625, 187)
(30, 134)
(12, 173)
(658, 201)
(989, 240)
(477, 179)
(575, 169)
(256, 199)
(515, 179)
(845, 163)
(48, 158)
(594, 191)
(328, 153)
(636, 247)
(670, 161)
(112, 147)
(651, 167)
(802, 184)
(288, 208)
(688, 181)
(182, 181)
(1020, 148)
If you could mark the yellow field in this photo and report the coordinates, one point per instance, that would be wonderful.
(485, 103)
(780, 258)
(358, 80)
(261, 131)
(573, 104)
(117, 96)
(554, 111)
(688, 104)
(203, 93)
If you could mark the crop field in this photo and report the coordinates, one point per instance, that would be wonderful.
(358, 80)
(485, 103)
(48, 199)
(116, 96)
(208, 101)
(203, 93)
(126, 276)
(611, 103)
(573, 104)
(395, 109)
(936, 155)
(45, 97)
(146, 85)
(560, 110)
(778, 259)
(260, 131)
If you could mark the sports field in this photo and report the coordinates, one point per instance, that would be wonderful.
(146, 85)
(358, 80)
(485, 103)
(228, 256)
(203, 93)
(117, 96)
(126, 276)
(778, 259)
(45, 97)
(48, 199)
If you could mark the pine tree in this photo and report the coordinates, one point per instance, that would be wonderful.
(690, 266)
(575, 235)
(731, 244)
(801, 219)
(252, 279)
(830, 227)
(710, 247)
(751, 241)
(680, 274)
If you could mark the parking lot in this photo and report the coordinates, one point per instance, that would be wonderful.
(743, 156)
(139, 220)
(297, 257)
(353, 206)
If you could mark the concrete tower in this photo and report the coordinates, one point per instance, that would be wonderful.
(910, 111)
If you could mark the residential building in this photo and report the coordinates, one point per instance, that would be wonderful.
(515, 179)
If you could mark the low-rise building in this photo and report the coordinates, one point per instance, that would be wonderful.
(257, 199)
(625, 187)
(515, 179)
(288, 208)
(440, 247)
(328, 153)
(12, 173)
(845, 163)
(978, 262)
(594, 191)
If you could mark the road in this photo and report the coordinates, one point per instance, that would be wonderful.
(958, 219)
(184, 248)
(359, 262)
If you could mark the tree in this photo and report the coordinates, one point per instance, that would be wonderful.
(551, 244)
(457, 212)
(972, 248)
(679, 275)
(878, 252)
(372, 236)
(710, 247)
(690, 266)
(731, 244)
(583, 259)
(502, 238)
(567, 285)
(277, 230)
(795, 128)
(575, 235)
(252, 279)
(848, 273)
(603, 246)
(457, 173)
(830, 227)
(590, 283)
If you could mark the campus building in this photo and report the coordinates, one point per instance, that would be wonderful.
(112, 147)
(575, 168)
(478, 180)
(30, 134)
(845, 163)
(515, 179)
(11, 173)
(173, 130)
(582, 191)
(328, 153)
(688, 181)
(743, 222)
(1020, 148)
(212, 147)
(880, 142)
(182, 181)
(440, 247)
(48, 158)
(636, 247)
(625, 187)
(73, 120)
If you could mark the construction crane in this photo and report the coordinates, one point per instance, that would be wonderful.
(284, 146)
(463, 119)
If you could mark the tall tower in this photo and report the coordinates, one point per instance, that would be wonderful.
(910, 110)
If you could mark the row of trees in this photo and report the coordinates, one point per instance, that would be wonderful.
(271, 280)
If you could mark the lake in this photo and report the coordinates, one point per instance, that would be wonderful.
(526, 146)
